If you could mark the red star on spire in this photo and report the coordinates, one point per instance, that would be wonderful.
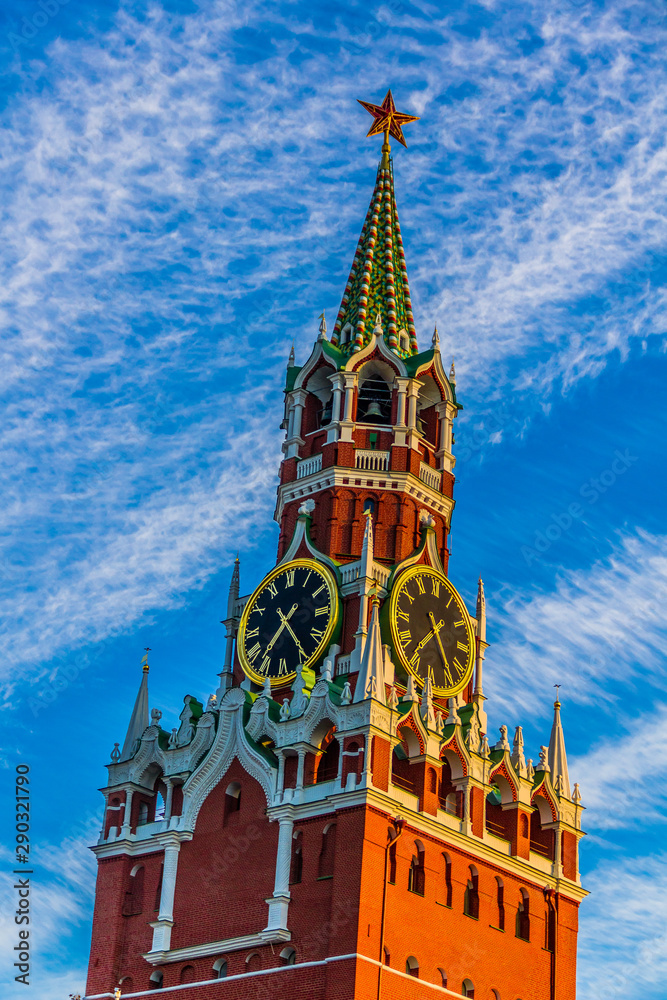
(387, 118)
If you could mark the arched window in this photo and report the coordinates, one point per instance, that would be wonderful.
(412, 967)
(523, 917)
(220, 968)
(127, 983)
(288, 956)
(134, 894)
(524, 825)
(471, 897)
(417, 878)
(142, 818)
(187, 974)
(387, 956)
(443, 978)
(253, 962)
(328, 852)
(232, 802)
(468, 989)
(432, 781)
(156, 979)
(445, 885)
(369, 505)
(296, 868)
(495, 994)
(327, 767)
(500, 903)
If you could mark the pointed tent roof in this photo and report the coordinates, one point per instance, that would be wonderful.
(371, 671)
(557, 757)
(139, 717)
(378, 281)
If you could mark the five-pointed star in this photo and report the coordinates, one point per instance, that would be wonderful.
(387, 118)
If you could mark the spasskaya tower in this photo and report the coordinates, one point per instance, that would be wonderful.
(335, 822)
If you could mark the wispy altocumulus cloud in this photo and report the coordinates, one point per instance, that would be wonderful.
(578, 635)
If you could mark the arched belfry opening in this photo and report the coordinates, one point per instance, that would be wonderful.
(374, 396)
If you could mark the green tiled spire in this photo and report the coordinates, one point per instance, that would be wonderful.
(378, 282)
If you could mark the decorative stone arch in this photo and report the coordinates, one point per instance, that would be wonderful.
(505, 783)
(320, 730)
(456, 759)
(544, 801)
(408, 730)
(230, 744)
(435, 369)
(313, 362)
(376, 348)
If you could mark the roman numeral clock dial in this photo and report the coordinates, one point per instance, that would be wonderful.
(289, 620)
(431, 630)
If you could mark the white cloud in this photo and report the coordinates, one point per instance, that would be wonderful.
(630, 795)
(599, 628)
(622, 937)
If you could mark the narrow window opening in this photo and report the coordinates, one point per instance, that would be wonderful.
(523, 917)
(417, 877)
(471, 897)
(412, 967)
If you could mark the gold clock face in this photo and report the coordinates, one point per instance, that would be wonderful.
(431, 630)
(290, 619)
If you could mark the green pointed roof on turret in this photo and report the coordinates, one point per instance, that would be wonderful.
(377, 288)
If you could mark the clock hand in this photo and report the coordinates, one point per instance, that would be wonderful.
(281, 627)
(429, 635)
(291, 631)
(437, 635)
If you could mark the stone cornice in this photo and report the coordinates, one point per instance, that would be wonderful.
(394, 482)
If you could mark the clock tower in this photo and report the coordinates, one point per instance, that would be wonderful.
(336, 822)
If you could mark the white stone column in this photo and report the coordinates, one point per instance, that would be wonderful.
(446, 412)
(339, 776)
(558, 859)
(294, 440)
(170, 795)
(413, 395)
(350, 379)
(299, 772)
(165, 919)
(280, 780)
(279, 902)
(127, 814)
(338, 383)
(366, 774)
(402, 388)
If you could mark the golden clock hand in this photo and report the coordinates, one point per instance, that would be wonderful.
(291, 630)
(437, 635)
(281, 627)
(429, 635)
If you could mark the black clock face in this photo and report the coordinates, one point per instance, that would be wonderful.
(431, 630)
(289, 620)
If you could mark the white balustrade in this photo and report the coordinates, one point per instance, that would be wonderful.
(307, 466)
(371, 461)
(429, 476)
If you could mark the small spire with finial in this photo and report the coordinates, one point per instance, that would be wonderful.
(377, 329)
(290, 360)
(144, 662)
(322, 327)
(452, 373)
(435, 340)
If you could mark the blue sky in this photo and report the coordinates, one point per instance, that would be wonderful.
(182, 186)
